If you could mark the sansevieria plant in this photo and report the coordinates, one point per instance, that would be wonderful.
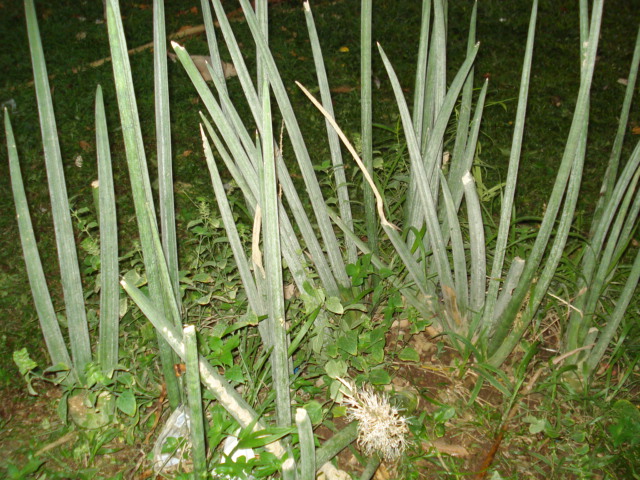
(479, 296)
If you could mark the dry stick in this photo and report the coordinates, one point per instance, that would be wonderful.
(488, 460)
(186, 32)
(158, 411)
(67, 437)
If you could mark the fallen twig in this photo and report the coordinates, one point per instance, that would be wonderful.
(67, 437)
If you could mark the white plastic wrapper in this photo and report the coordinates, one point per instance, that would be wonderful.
(177, 426)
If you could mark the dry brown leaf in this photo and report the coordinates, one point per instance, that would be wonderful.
(451, 304)
(635, 130)
(193, 10)
(329, 472)
(343, 89)
(85, 146)
(289, 291)
(382, 473)
(201, 61)
(450, 449)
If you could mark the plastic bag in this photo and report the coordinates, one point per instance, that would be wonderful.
(178, 427)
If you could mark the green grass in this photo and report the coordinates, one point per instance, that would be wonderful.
(501, 30)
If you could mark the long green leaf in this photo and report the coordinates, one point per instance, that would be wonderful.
(611, 173)
(510, 283)
(109, 271)
(194, 397)
(163, 142)
(599, 275)
(425, 195)
(462, 163)
(161, 289)
(539, 289)
(464, 115)
(237, 58)
(460, 274)
(262, 14)
(512, 176)
(273, 268)
(331, 244)
(436, 86)
(230, 227)
(570, 159)
(37, 281)
(421, 70)
(67, 255)
(307, 446)
(232, 130)
(332, 137)
(366, 122)
(478, 266)
(336, 444)
(214, 53)
(435, 91)
(422, 85)
(608, 332)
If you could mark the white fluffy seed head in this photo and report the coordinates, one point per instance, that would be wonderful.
(381, 428)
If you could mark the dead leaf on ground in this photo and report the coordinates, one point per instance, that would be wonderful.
(382, 473)
(193, 10)
(201, 61)
(448, 448)
(343, 89)
(289, 291)
(85, 146)
(329, 472)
